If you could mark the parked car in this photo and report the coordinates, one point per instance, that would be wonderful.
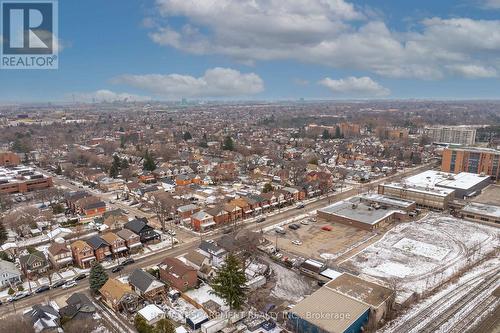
(300, 206)
(69, 284)
(269, 325)
(80, 277)
(327, 228)
(117, 268)
(19, 295)
(260, 219)
(294, 226)
(304, 222)
(58, 284)
(43, 288)
(296, 242)
(280, 230)
(128, 261)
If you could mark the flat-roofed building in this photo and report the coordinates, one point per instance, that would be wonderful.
(21, 179)
(363, 213)
(480, 212)
(428, 197)
(465, 184)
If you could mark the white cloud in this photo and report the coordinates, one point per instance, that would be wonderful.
(216, 82)
(355, 86)
(105, 95)
(330, 32)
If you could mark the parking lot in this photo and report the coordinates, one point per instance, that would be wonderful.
(316, 242)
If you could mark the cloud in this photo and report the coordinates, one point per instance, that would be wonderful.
(491, 4)
(105, 95)
(355, 86)
(334, 33)
(216, 82)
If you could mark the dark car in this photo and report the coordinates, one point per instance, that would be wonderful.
(269, 325)
(128, 261)
(227, 231)
(58, 284)
(80, 277)
(41, 289)
(117, 269)
(294, 226)
(260, 219)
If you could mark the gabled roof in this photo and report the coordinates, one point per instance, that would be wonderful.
(175, 266)
(110, 237)
(144, 281)
(97, 242)
(136, 225)
(126, 234)
(212, 248)
(31, 258)
(43, 317)
(58, 248)
(196, 258)
(79, 245)
(115, 290)
(201, 215)
(9, 267)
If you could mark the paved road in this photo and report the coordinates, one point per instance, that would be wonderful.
(183, 248)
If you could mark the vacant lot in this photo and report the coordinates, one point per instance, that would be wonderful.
(419, 255)
(317, 243)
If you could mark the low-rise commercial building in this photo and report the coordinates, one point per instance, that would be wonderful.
(22, 179)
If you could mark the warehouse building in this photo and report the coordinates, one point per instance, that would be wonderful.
(368, 212)
(481, 213)
(436, 198)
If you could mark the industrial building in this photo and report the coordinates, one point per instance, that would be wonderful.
(463, 135)
(427, 197)
(481, 213)
(342, 305)
(368, 212)
(474, 160)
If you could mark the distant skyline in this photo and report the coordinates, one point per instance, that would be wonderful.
(268, 50)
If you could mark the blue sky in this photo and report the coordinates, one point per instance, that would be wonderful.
(268, 49)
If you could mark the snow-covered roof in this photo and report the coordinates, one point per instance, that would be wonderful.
(477, 208)
(151, 312)
(432, 178)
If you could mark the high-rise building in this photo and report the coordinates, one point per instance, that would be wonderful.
(462, 135)
(474, 160)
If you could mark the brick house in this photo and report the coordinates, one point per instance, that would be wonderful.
(202, 221)
(117, 244)
(177, 274)
(220, 215)
(141, 227)
(132, 240)
(83, 254)
(119, 296)
(146, 285)
(102, 248)
(186, 211)
(90, 206)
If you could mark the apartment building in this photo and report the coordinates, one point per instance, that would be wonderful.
(474, 160)
(463, 135)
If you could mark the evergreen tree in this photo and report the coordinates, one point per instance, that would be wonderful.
(228, 143)
(98, 277)
(338, 134)
(187, 136)
(3, 233)
(141, 325)
(267, 188)
(164, 326)
(229, 284)
(325, 135)
(113, 171)
(58, 170)
(124, 164)
(149, 163)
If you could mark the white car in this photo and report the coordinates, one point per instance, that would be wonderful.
(304, 222)
(296, 242)
(69, 284)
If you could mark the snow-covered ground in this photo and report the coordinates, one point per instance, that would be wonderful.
(420, 255)
(290, 285)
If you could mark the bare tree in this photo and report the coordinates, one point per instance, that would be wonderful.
(86, 325)
(18, 324)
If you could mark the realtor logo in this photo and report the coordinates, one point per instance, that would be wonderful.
(29, 34)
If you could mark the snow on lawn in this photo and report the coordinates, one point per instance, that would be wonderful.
(290, 286)
(419, 255)
(203, 294)
(422, 249)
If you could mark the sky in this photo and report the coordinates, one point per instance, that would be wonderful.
(268, 50)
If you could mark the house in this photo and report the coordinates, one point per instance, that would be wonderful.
(44, 318)
(220, 215)
(102, 249)
(235, 212)
(177, 274)
(140, 227)
(147, 286)
(132, 240)
(117, 244)
(10, 275)
(201, 263)
(186, 211)
(216, 254)
(83, 254)
(33, 263)
(201, 221)
(114, 221)
(90, 206)
(119, 296)
(79, 307)
(60, 255)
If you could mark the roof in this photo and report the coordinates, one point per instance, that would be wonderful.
(97, 242)
(151, 312)
(187, 208)
(432, 178)
(114, 289)
(482, 209)
(29, 259)
(354, 209)
(144, 281)
(175, 266)
(436, 191)
(365, 291)
(330, 302)
(79, 245)
(9, 267)
(211, 248)
(78, 298)
(126, 234)
(43, 317)
(136, 225)
(110, 237)
(58, 248)
(195, 257)
(201, 215)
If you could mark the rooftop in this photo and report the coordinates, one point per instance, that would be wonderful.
(477, 208)
(432, 178)
(437, 191)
